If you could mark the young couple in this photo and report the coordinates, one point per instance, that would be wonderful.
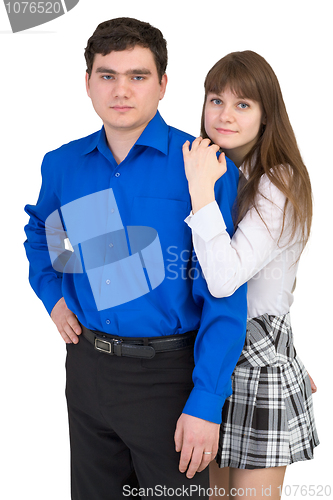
(147, 376)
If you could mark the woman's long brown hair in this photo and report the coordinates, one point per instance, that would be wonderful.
(276, 153)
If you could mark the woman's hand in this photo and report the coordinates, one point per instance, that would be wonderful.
(202, 169)
(313, 385)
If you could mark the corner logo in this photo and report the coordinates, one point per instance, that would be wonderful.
(25, 15)
(122, 263)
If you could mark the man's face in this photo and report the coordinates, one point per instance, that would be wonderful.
(125, 90)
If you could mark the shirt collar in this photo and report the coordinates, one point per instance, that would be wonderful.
(243, 171)
(155, 135)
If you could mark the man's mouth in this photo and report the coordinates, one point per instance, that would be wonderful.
(121, 108)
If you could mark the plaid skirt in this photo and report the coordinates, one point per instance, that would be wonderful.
(268, 421)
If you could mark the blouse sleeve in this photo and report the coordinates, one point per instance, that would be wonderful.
(228, 263)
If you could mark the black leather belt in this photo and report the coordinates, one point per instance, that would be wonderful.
(137, 347)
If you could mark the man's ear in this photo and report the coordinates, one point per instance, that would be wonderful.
(87, 83)
(164, 82)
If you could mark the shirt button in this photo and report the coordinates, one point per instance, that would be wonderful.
(112, 210)
(108, 282)
(111, 245)
(107, 321)
(117, 174)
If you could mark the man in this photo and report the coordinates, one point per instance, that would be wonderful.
(128, 297)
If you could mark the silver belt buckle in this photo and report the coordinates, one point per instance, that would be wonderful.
(100, 342)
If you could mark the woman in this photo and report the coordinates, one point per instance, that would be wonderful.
(268, 421)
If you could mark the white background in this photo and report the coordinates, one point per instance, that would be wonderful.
(44, 104)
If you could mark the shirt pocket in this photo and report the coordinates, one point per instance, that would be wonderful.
(166, 217)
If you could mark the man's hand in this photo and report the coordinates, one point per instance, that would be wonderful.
(66, 322)
(193, 436)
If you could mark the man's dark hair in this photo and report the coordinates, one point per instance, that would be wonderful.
(125, 33)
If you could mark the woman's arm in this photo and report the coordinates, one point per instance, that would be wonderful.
(228, 263)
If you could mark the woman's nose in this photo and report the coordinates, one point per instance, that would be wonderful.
(226, 114)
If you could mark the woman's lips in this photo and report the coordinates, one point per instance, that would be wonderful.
(226, 131)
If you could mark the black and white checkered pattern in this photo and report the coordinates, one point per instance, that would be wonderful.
(268, 421)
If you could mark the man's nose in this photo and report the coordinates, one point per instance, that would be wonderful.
(121, 87)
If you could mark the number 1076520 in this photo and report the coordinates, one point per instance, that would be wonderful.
(33, 7)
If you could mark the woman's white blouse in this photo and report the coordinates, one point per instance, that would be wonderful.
(256, 253)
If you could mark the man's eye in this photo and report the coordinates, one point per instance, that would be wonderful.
(138, 78)
(107, 77)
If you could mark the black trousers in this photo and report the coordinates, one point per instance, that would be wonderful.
(122, 418)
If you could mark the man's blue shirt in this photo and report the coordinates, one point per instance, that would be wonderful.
(153, 286)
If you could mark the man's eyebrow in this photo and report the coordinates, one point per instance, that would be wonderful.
(135, 71)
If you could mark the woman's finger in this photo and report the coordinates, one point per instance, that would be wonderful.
(186, 147)
(196, 143)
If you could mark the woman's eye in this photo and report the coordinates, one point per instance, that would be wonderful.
(217, 101)
(243, 105)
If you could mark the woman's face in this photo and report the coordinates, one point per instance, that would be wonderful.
(233, 123)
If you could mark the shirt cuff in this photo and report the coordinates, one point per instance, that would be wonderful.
(207, 222)
(51, 294)
(204, 405)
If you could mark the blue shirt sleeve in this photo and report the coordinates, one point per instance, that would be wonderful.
(221, 335)
(44, 279)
